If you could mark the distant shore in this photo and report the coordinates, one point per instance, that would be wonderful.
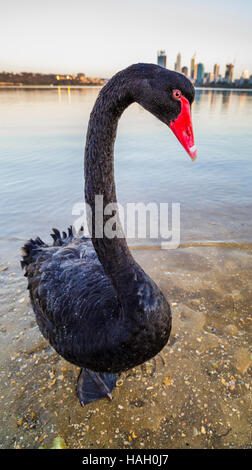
(20, 87)
(51, 87)
(236, 88)
(225, 87)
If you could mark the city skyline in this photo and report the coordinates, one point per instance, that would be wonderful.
(198, 74)
(189, 70)
(104, 37)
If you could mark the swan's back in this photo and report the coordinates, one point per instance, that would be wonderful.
(75, 304)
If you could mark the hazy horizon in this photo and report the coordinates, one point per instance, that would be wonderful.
(104, 37)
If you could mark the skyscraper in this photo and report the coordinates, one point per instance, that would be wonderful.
(161, 58)
(229, 72)
(178, 63)
(195, 72)
(216, 71)
(193, 65)
(200, 72)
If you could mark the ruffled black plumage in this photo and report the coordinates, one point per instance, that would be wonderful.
(78, 310)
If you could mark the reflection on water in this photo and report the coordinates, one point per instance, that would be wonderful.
(225, 99)
(59, 94)
(68, 94)
(212, 98)
(42, 144)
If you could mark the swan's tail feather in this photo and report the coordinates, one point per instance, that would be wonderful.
(30, 250)
(58, 239)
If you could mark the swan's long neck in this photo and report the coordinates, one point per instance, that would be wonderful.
(113, 253)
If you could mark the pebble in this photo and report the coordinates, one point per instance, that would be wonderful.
(195, 302)
(168, 381)
(195, 431)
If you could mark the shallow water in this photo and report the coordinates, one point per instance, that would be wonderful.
(198, 392)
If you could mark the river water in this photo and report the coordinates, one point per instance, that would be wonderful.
(199, 392)
(42, 134)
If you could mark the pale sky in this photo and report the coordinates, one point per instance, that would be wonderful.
(100, 37)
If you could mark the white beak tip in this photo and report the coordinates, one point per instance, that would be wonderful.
(193, 152)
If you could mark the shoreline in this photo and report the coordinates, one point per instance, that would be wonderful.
(55, 87)
(49, 87)
(151, 245)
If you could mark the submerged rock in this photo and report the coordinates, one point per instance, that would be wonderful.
(243, 360)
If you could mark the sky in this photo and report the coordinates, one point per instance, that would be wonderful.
(103, 36)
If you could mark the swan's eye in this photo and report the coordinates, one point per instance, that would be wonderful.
(176, 94)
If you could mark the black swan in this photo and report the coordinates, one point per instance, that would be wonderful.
(93, 302)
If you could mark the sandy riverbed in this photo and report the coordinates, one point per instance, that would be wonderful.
(195, 394)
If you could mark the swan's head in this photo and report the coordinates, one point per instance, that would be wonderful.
(169, 96)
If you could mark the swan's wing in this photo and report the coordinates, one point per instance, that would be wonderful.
(74, 301)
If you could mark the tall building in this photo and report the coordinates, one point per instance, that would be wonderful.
(193, 65)
(161, 58)
(200, 72)
(184, 70)
(216, 71)
(229, 72)
(211, 77)
(195, 72)
(177, 66)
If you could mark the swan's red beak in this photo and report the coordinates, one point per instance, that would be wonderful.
(183, 130)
